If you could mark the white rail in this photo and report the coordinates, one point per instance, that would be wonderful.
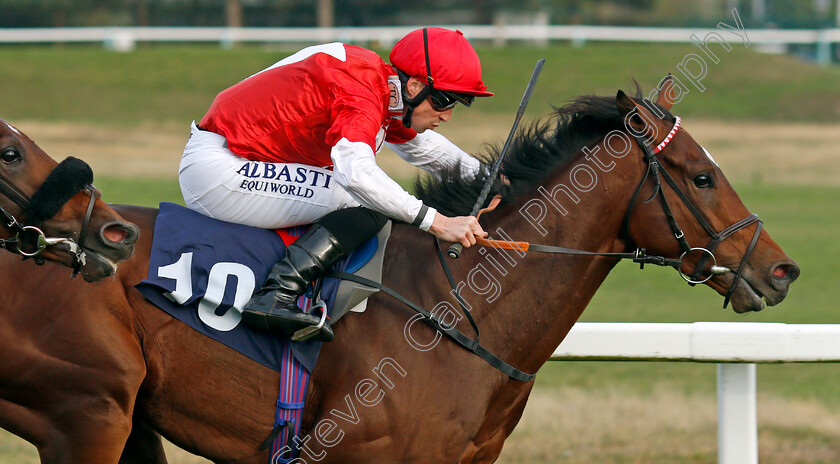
(389, 35)
(736, 346)
(126, 38)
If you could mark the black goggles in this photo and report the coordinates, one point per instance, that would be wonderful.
(443, 100)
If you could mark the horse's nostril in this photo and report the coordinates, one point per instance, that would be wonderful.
(793, 273)
(786, 272)
(117, 233)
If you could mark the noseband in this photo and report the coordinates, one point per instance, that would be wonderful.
(656, 171)
(68, 178)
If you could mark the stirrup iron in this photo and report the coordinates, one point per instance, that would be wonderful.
(308, 332)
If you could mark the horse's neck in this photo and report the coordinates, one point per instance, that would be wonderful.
(542, 295)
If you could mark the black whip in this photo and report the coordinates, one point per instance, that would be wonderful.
(456, 248)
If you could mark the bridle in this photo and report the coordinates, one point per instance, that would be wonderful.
(656, 172)
(30, 241)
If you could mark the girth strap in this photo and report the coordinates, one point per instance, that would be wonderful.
(454, 286)
(451, 332)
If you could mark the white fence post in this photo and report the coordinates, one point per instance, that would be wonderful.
(737, 427)
(737, 345)
(121, 40)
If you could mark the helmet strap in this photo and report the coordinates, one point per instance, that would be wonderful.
(429, 77)
(412, 103)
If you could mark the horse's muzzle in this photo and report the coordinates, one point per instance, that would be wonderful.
(112, 244)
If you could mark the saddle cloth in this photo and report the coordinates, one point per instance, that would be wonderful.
(202, 271)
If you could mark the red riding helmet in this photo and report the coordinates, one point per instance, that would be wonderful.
(451, 61)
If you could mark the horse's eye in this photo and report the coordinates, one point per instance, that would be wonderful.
(9, 155)
(702, 181)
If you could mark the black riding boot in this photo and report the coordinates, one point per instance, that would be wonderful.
(274, 307)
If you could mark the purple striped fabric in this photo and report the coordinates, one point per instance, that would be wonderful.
(294, 381)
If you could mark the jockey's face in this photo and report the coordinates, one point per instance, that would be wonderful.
(425, 116)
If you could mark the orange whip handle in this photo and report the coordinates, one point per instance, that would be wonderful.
(504, 244)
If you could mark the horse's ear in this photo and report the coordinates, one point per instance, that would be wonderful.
(637, 119)
(625, 104)
(667, 95)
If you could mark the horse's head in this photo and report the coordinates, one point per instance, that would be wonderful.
(52, 211)
(684, 206)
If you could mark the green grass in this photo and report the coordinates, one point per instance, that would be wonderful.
(744, 84)
(139, 191)
(174, 83)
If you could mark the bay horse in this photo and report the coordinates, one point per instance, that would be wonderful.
(92, 373)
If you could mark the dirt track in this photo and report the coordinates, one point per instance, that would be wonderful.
(746, 151)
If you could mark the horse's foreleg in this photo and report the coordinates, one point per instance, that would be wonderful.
(94, 433)
(71, 413)
(23, 422)
(144, 445)
(502, 417)
(487, 451)
(86, 435)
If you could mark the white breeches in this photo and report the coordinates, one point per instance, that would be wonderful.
(219, 184)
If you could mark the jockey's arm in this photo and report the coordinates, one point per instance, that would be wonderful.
(355, 169)
(434, 153)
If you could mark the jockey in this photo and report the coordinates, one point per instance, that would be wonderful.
(295, 144)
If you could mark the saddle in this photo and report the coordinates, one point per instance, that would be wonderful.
(366, 261)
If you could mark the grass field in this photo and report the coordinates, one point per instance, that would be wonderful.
(771, 121)
(177, 83)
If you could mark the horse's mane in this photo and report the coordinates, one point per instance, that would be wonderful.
(536, 151)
